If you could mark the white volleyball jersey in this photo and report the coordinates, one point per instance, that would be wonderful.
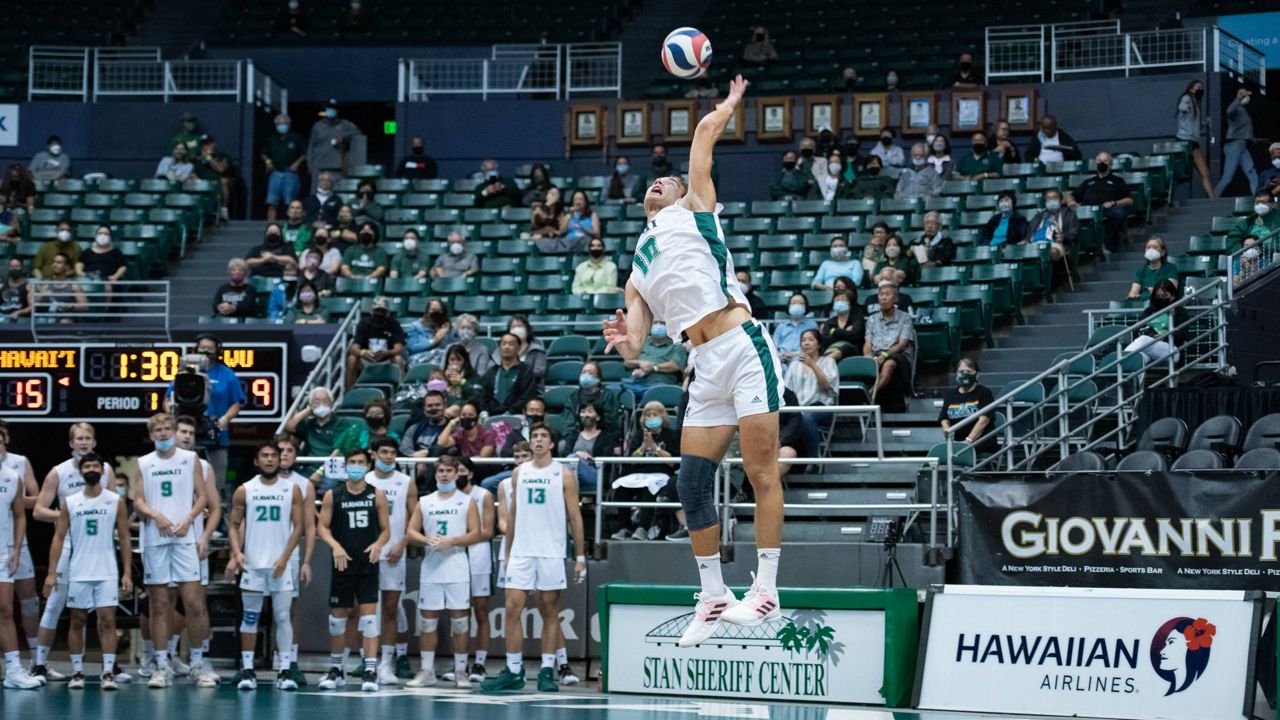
(504, 491)
(397, 488)
(268, 522)
(480, 554)
(10, 493)
(168, 485)
(682, 268)
(91, 537)
(16, 463)
(445, 516)
(540, 515)
(198, 524)
(303, 483)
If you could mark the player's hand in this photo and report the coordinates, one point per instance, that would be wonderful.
(304, 574)
(202, 547)
(49, 584)
(395, 553)
(13, 560)
(579, 572)
(737, 88)
(281, 565)
(340, 559)
(181, 528)
(440, 542)
(374, 552)
(615, 331)
(126, 585)
(163, 525)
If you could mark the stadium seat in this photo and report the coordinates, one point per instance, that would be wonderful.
(353, 401)
(569, 347)
(668, 395)
(1262, 458)
(1083, 461)
(383, 376)
(858, 376)
(557, 398)
(1220, 433)
(1143, 461)
(963, 454)
(564, 372)
(1199, 460)
(1263, 433)
(1167, 436)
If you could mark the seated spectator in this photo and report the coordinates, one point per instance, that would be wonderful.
(1004, 146)
(429, 336)
(103, 261)
(420, 434)
(843, 334)
(890, 340)
(1268, 179)
(589, 440)
(592, 391)
(661, 361)
(815, 381)
(794, 181)
(365, 260)
(849, 78)
(1263, 221)
(969, 398)
(189, 134)
(217, 167)
(51, 163)
(509, 383)
(1052, 144)
(625, 186)
(17, 196)
(756, 303)
(873, 184)
(531, 351)
(939, 157)
(376, 426)
(548, 219)
(1155, 342)
(321, 262)
(539, 184)
(830, 185)
(891, 80)
(656, 437)
(379, 340)
(896, 278)
(462, 383)
(1251, 260)
(15, 295)
(933, 248)
(494, 190)
(1156, 268)
(597, 274)
(759, 49)
(840, 264)
(468, 328)
(535, 411)
(366, 208)
(1109, 192)
(175, 167)
(891, 156)
(345, 231)
(283, 153)
(317, 425)
(61, 293)
(411, 261)
(307, 309)
(61, 244)
(702, 88)
(1005, 226)
(805, 163)
(979, 164)
(297, 233)
(417, 165)
(967, 75)
(897, 258)
(873, 253)
(579, 227)
(920, 180)
(1056, 225)
(467, 435)
(268, 259)
(322, 205)
(284, 293)
(786, 334)
(236, 298)
(458, 262)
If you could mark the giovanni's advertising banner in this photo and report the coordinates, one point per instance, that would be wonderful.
(1158, 654)
(1164, 530)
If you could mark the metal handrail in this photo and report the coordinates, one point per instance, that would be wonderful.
(118, 309)
(330, 369)
(1240, 272)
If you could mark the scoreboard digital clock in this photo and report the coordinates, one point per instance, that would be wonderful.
(114, 383)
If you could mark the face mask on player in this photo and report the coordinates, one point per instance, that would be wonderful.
(384, 467)
(356, 472)
(446, 487)
(92, 478)
(165, 445)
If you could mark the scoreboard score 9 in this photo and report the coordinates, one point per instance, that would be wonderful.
(112, 383)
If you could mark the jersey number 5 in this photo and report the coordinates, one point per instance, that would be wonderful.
(91, 527)
(358, 519)
(645, 254)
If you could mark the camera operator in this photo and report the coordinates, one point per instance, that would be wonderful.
(225, 396)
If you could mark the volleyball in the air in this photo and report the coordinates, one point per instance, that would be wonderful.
(686, 53)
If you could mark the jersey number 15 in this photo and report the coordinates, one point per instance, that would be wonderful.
(645, 254)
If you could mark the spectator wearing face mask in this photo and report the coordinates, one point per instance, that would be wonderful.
(1269, 179)
(966, 75)
(896, 257)
(307, 309)
(759, 49)
(814, 379)
(328, 252)
(175, 167)
(15, 295)
(873, 253)
(919, 181)
(891, 80)
(805, 161)
(494, 190)
(841, 335)
(375, 426)
(297, 233)
(282, 155)
(317, 425)
(51, 163)
(1111, 195)
(1056, 224)
(103, 261)
(509, 384)
(418, 165)
(661, 361)
(786, 334)
(458, 262)
(61, 244)
(840, 264)
(655, 437)
(1052, 144)
(1251, 260)
(535, 411)
(531, 350)
(588, 440)
(285, 293)
(459, 380)
(756, 303)
(345, 230)
(465, 433)
(939, 157)
(891, 156)
(236, 298)
(1235, 151)
(310, 271)
(1156, 268)
(548, 219)
(1004, 146)
(330, 142)
(366, 208)
(421, 434)
(873, 183)
(830, 185)
(539, 185)
(597, 274)
(591, 391)
(468, 327)
(322, 206)
(980, 163)
(1158, 340)
(969, 397)
(429, 336)
(659, 165)
(625, 185)
(581, 225)
(1261, 222)
(1005, 225)
(365, 260)
(793, 182)
(268, 258)
(933, 248)
(379, 340)
(411, 261)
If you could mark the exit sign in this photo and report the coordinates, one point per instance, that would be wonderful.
(389, 127)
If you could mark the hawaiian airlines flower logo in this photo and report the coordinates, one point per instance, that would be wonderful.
(1180, 651)
(1199, 634)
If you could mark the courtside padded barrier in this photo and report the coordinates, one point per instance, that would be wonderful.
(849, 645)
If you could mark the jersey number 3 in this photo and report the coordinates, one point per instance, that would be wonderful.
(645, 254)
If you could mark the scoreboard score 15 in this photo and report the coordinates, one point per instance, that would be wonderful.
(113, 383)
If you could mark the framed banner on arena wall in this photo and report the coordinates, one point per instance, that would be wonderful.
(735, 130)
(822, 111)
(1018, 108)
(870, 113)
(968, 111)
(773, 119)
(633, 123)
(919, 111)
(586, 126)
(679, 118)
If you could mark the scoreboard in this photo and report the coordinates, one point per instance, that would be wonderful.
(99, 382)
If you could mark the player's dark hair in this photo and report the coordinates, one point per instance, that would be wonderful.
(382, 442)
(88, 458)
(266, 446)
(467, 463)
(186, 420)
(555, 436)
(358, 451)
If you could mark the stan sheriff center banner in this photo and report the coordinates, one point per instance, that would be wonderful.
(843, 646)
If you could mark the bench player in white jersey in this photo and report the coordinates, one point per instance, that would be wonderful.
(402, 499)
(545, 498)
(24, 585)
(264, 529)
(62, 482)
(300, 564)
(85, 525)
(13, 528)
(683, 274)
(446, 522)
(168, 496)
(480, 558)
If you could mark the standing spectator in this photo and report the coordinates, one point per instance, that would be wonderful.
(175, 167)
(756, 303)
(15, 295)
(60, 293)
(1235, 152)
(897, 258)
(581, 226)
(418, 165)
(296, 231)
(1108, 192)
(1156, 268)
(1052, 143)
(365, 260)
(322, 206)
(548, 220)
(509, 383)
(1263, 221)
(793, 182)
(411, 261)
(494, 190)
(269, 258)
(759, 50)
(51, 163)
(539, 185)
(458, 262)
(226, 398)
(188, 135)
(840, 264)
(103, 261)
(843, 333)
(873, 253)
(592, 391)
(890, 339)
(282, 155)
(1269, 179)
(980, 164)
(1193, 125)
(236, 298)
(1005, 226)
(814, 379)
(891, 156)
(1004, 147)
(318, 426)
(830, 184)
(467, 435)
(786, 334)
(940, 155)
(625, 186)
(1056, 225)
(969, 398)
(659, 165)
(468, 327)
(216, 166)
(934, 248)
(430, 335)
(379, 340)
(62, 244)
(366, 207)
(919, 181)
(873, 184)
(597, 274)
(661, 361)
(330, 143)
(307, 310)
(805, 164)
(966, 75)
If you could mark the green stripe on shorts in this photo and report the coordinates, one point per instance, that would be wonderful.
(766, 362)
(710, 230)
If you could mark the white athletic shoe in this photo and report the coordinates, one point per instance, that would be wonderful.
(55, 676)
(121, 676)
(333, 679)
(76, 682)
(463, 682)
(205, 677)
(448, 676)
(566, 675)
(178, 667)
(248, 680)
(161, 678)
(707, 615)
(21, 680)
(387, 676)
(148, 666)
(758, 605)
(285, 681)
(369, 683)
(426, 677)
(109, 682)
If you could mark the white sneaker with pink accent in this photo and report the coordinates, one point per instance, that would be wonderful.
(707, 615)
(757, 606)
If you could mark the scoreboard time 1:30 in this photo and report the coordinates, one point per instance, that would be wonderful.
(112, 383)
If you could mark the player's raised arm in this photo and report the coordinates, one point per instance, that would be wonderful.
(702, 192)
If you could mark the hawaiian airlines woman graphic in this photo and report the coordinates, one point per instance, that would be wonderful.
(1180, 651)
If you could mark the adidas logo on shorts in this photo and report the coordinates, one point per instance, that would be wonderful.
(755, 399)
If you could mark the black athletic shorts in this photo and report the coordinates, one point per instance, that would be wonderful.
(347, 589)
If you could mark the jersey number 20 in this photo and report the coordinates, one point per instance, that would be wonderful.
(645, 254)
